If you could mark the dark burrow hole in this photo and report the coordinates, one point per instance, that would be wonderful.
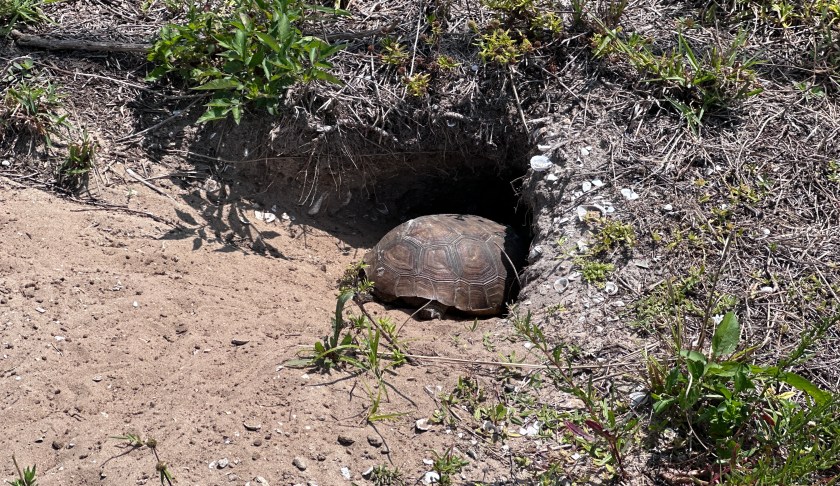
(493, 196)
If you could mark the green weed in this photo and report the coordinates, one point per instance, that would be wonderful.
(417, 84)
(78, 163)
(446, 465)
(613, 234)
(356, 344)
(593, 271)
(447, 63)
(600, 426)
(384, 476)
(696, 85)
(498, 47)
(30, 106)
(533, 17)
(13, 12)
(737, 411)
(393, 52)
(25, 477)
(248, 54)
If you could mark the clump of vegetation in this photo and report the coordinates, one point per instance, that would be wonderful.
(134, 442)
(357, 341)
(418, 84)
(393, 52)
(384, 476)
(613, 234)
(499, 47)
(535, 18)
(13, 12)
(78, 163)
(446, 465)
(246, 53)
(695, 84)
(594, 271)
(31, 105)
(740, 414)
(25, 477)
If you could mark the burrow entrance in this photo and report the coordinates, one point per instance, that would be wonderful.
(491, 195)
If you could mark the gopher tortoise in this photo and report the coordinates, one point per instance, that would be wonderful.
(445, 261)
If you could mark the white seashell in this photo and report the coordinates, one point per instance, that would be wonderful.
(551, 177)
(629, 194)
(597, 182)
(587, 186)
(610, 288)
(540, 163)
(668, 207)
(561, 284)
(431, 477)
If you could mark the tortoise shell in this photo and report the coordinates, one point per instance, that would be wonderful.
(461, 261)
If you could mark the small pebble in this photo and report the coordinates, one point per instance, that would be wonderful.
(299, 463)
(345, 440)
(223, 463)
(345, 473)
(56, 445)
(374, 441)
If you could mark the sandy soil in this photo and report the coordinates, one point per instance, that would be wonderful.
(113, 323)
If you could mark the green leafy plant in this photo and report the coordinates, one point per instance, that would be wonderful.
(250, 53)
(695, 85)
(600, 425)
(78, 163)
(356, 342)
(446, 465)
(737, 410)
(393, 52)
(447, 63)
(25, 477)
(418, 84)
(498, 47)
(612, 234)
(594, 271)
(13, 12)
(382, 475)
(31, 106)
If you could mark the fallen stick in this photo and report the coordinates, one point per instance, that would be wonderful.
(50, 44)
(148, 184)
(34, 41)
